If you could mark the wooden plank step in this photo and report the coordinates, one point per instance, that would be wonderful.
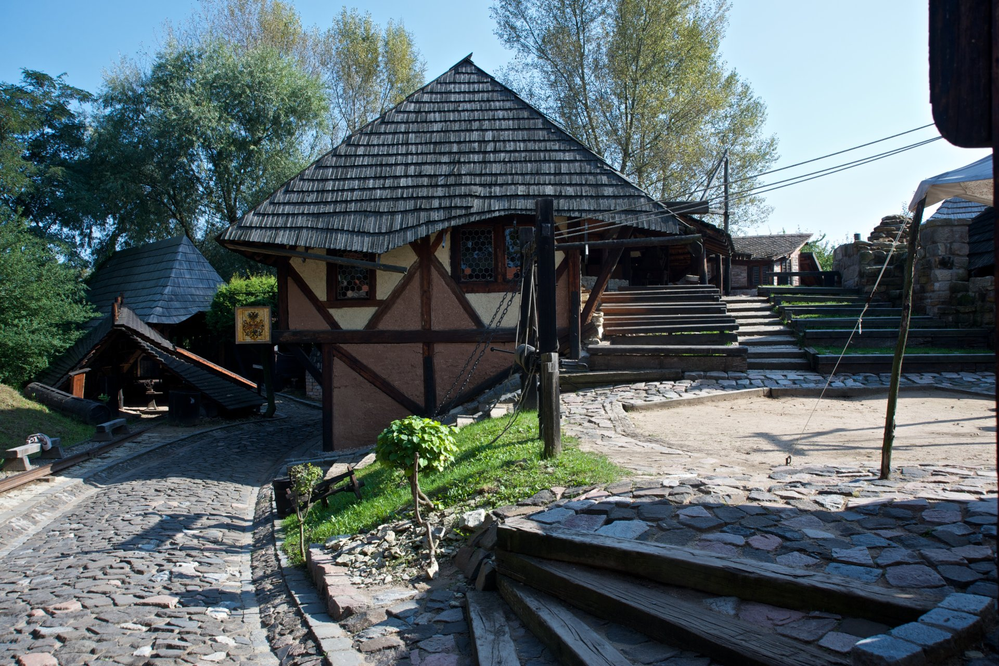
(837, 310)
(682, 337)
(568, 637)
(765, 290)
(669, 319)
(666, 350)
(870, 322)
(655, 297)
(489, 630)
(681, 623)
(671, 287)
(653, 329)
(701, 570)
(632, 309)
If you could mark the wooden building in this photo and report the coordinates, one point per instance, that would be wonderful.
(756, 256)
(397, 252)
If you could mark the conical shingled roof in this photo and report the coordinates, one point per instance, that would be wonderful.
(165, 282)
(463, 148)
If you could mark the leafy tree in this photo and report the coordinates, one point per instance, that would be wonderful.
(641, 82)
(194, 142)
(304, 479)
(412, 444)
(42, 299)
(368, 70)
(42, 138)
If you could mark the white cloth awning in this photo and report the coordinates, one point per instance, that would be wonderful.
(972, 182)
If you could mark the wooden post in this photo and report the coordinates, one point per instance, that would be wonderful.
(426, 310)
(267, 361)
(528, 314)
(903, 335)
(728, 260)
(995, 179)
(327, 352)
(575, 336)
(549, 412)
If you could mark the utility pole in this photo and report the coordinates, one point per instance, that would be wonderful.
(727, 273)
(549, 412)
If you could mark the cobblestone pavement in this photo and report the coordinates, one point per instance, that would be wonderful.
(152, 563)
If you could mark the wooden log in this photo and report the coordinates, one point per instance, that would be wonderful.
(667, 350)
(489, 630)
(87, 411)
(389, 337)
(570, 639)
(684, 624)
(701, 570)
(631, 242)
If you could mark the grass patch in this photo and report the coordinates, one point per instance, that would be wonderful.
(22, 417)
(481, 475)
(796, 303)
(835, 351)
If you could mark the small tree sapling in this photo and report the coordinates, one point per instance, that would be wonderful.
(304, 479)
(416, 443)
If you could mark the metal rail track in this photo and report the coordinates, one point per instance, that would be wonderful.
(24, 478)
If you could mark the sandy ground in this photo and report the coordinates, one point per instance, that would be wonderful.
(758, 433)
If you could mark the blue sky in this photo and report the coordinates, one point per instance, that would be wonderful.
(833, 75)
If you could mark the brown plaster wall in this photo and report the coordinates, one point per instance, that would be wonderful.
(366, 411)
(446, 312)
(301, 314)
(401, 365)
(449, 359)
(405, 312)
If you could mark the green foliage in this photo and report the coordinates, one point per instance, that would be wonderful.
(483, 474)
(239, 292)
(399, 444)
(367, 70)
(204, 135)
(303, 479)
(41, 302)
(642, 83)
(42, 139)
(822, 250)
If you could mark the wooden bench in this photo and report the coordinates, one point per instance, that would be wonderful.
(106, 431)
(16, 459)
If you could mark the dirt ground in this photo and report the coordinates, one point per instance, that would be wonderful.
(758, 433)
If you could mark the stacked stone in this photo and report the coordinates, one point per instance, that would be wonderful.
(942, 288)
(860, 262)
(888, 230)
(984, 291)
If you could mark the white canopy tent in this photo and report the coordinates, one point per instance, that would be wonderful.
(972, 182)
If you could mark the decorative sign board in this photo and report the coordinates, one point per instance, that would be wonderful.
(253, 325)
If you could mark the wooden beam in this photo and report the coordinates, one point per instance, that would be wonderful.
(373, 378)
(327, 397)
(610, 261)
(458, 294)
(330, 259)
(390, 337)
(489, 630)
(688, 625)
(310, 295)
(282, 284)
(393, 297)
(631, 242)
(575, 297)
(697, 569)
(426, 324)
(568, 638)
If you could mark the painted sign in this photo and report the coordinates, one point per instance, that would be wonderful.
(253, 325)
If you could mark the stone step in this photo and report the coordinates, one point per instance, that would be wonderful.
(776, 352)
(777, 364)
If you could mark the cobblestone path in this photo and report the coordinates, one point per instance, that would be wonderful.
(154, 565)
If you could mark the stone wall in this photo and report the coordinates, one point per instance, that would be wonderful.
(860, 262)
(943, 288)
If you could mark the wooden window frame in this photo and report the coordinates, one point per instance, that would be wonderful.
(499, 283)
(333, 282)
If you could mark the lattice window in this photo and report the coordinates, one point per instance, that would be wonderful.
(353, 282)
(513, 256)
(754, 279)
(476, 255)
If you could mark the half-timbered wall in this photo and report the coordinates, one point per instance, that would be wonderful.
(427, 326)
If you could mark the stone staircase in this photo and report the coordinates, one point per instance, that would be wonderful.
(770, 345)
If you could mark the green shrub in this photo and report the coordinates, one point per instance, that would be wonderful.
(304, 479)
(239, 292)
(415, 443)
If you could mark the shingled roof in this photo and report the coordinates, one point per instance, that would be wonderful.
(228, 389)
(769, 247)
(165, 282)
(463, 148)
